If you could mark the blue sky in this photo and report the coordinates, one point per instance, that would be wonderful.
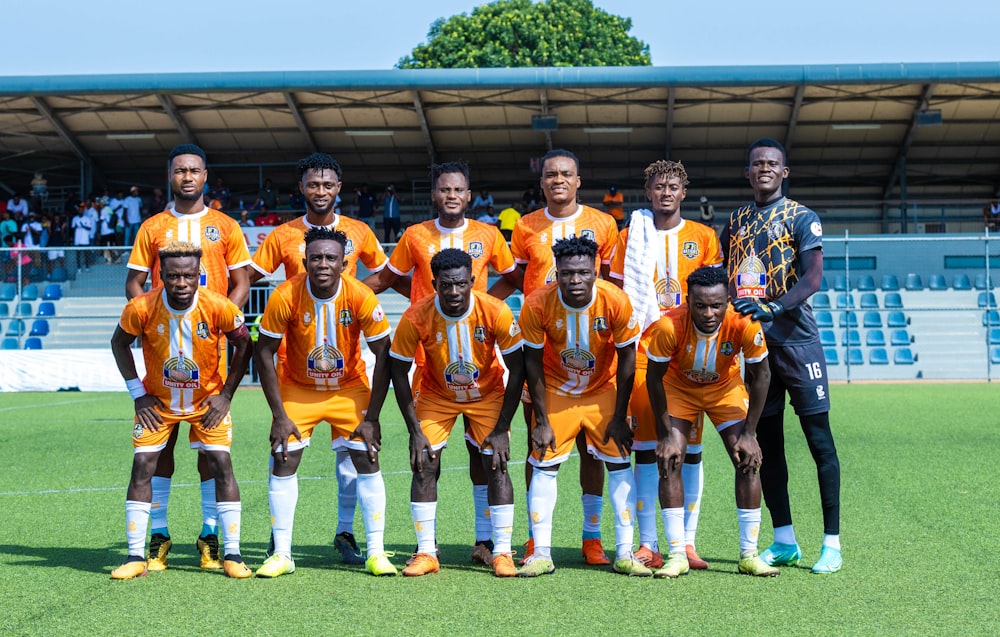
(115, 36)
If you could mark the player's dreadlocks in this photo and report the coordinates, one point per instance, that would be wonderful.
(665, 167)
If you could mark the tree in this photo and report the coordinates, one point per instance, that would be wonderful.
(510, 33)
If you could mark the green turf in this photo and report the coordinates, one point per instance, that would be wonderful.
(920, 527)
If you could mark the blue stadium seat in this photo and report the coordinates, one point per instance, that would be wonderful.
(893, 301)
(33, 343)
(514, 302)
(24, 309)
(890, 283)
(899, 338)
(878, 356)
(46, 308)
(59, 275)
(850, 338)
(840, 283)
(53, 292)
(995, 336)
(9, 343)
(827, 338)
(898, 319)
(872, 319)
(866, 283)
(16, 328)
(8, 291)
(29, 292)
(875, 338)
(823, 287)
(848, 318)
(36, 274)
(937, 282)
(995, 355)
(986, 299)
(904, 356)
(869, 301)
(961, 282)
(39, 327)
(980, 284)
(845, 300)
(4, 309)
(914, 281)
(991, 318)
(855, 357)
(825, 319)
(821, 301)
(831, 356)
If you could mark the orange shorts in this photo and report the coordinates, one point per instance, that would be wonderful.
(344, 409)
(437, 418)
(725, 404)
(643, 420)
(218, 439)
(568, 416)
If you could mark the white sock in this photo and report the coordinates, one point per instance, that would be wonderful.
(347, 491)
(541, 502)
(136, 524)
(230, 514)
(282, 496)
(647, 487)
(480, 500)
(502, 521)
(749, 520)
(209, 515)
(593, 507)
(371, 493)
(621, 488)
(424, 518)
(158, 507)
(784, 534)
(693, 476)
(832, 541)
(673, 528)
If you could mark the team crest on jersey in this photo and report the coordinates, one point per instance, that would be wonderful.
(726, 348)
(440, 337)
(816, 228)
(306, 318)
(378, 313)
(475, 249)
(702, 376)
(181, 372)
(751, 278)
(690, 249)
(668, 293)
(160, 329)
(588, 234)
(601, 324)
(461, 376)
(515, 329)
(758, 338)
(479, 334)
(325, 362)
(559, 324)
(579, 361)
(345, 318)
(776, 230)
(212, 233)
(348, 248)
(137, 430)
(202, 330)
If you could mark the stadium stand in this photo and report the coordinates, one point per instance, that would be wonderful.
(16, 327)
(904, 356)
(890, 283)
(900, 337)
(866, 283)
(995, 355)
(9, 343)
(937, 282)
(8, 291)
(893, 301)
(832, 358)
(33, 342)
(878, 356)
(46, 308)
(982, 282)
(53, 292)
(29, 292)
(4, 310)
(914, 282)
(39, 327)
(850, 338)
(848, 318)
(898, 319)
(986, 299)
(821, 301)
(872, 319)
(855, 357)
(845, 300)
(875, 338)
(827, 338)
(994, 337)
(840, 283)
(825, 319)
(961, 282)
(869, 301)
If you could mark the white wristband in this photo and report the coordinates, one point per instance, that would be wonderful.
(135, 388)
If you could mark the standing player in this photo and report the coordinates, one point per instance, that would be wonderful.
(652, 260)
(320, 315)
(181, 327)
(532, 242)
(694, 368)
(224, 257)
(574, 332)
(458, 330)
(774, 253)
(451, 198)
(319, 182)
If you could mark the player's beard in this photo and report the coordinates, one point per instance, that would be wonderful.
(321, 212)
(450, 216)
(188, 197)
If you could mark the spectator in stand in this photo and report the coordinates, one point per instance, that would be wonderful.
(366, 205)
(158, 203)
(991, 215)
(483, 204)
(39, 191)
(295, 200)
(508, 218)
(58, 230)
(107, 230)
(266, 197)
(117, 204)
(530, 200)
(32, 236)
(133, 215)
(8, 227)
(268, 217)
(18, 208)
(614, 203)
(245, 220)
(391, 214)
(92, 213)
(220, 193)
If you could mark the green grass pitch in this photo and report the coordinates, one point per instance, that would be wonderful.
(921, 524)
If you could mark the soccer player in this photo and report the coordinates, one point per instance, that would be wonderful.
(694, 368)
(181, 327)
(652, 260)
(319, 182)
(459, 330)
(451, 198)
(320, 315)
(580, 364)
(531, 245)
(774, 253)
(223, 270)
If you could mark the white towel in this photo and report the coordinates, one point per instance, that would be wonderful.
(640, 265)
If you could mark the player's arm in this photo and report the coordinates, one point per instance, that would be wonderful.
(499, 439)
(383, 280)
(668, 452)
(253, 274)
(618, 429)
(218, 405)
(239, 286)
(145, 404)
(508, 283)
(281, 426)
(135, 283)
(400, 373)
(370, 429)
(746, 452)
(542, 436)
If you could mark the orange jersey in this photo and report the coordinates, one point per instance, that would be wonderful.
(580, 354)
(286, 245)
(420, 242)
(461, 362)
(181, 349)
(534, 235)
(698, 359)
(322, 344)
(218, 235)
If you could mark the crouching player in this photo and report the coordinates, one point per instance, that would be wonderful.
(181, 327)
(694, 367)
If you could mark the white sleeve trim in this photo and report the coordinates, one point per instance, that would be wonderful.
(532, 345)
(394, 270)
(254, 265)
(629, 341)
(658, 359)
(513, 348)
(377, 337)
(755, 360)
(277, 335)
(241, 264)
(135, 266)
(400, 357)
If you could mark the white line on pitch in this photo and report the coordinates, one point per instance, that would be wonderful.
(63, 402)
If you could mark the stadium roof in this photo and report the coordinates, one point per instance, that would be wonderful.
(851, 130)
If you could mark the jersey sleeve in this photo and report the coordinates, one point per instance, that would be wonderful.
(277, 315)
(501, 258)
(404, 345)
(532, 330)
(401, 261)
(231, 318)
(713, 249)
(618, 256)
(607, 248)
(518, 247)
(141, 257)
(754, 345)
(626, 327)
(374, 323)
(131, 319)
(662, 341)
(808, 230)
(507, 331)
(267, 258)
(237, 253)
(371, 252)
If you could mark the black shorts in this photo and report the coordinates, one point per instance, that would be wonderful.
(799, 370)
